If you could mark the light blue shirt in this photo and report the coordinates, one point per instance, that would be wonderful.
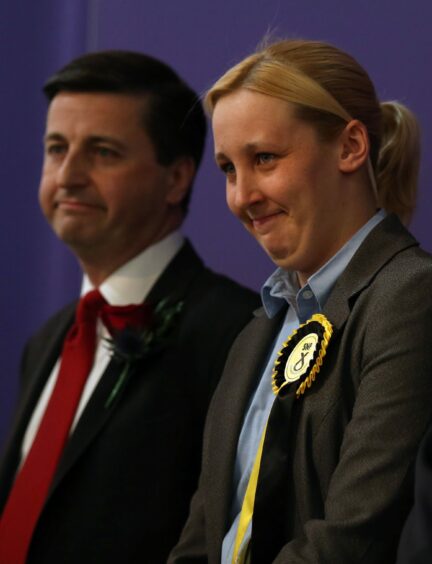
(281, 288)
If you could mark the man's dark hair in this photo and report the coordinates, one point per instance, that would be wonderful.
(174, 117)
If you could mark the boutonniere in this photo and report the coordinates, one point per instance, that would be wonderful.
(135, 330)
(301, 356)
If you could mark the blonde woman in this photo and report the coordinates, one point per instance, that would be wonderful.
(326, 394)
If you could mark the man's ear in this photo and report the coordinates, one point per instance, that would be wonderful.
(354, 146)
(182, 172)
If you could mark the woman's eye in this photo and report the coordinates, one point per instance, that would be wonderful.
(265, 158)
(227, 168)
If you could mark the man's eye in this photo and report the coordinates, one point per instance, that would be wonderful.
(105, 152)
(265, 158)
(55, 149)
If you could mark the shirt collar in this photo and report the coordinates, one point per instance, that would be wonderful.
(282, 286)
(131, 283)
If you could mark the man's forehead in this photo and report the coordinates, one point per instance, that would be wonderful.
(98, 103)
(94, 113)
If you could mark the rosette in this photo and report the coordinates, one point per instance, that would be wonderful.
(301, 356)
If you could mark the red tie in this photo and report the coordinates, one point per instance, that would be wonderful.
(33, 481)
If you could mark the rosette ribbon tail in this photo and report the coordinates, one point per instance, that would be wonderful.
(269, 515)
(295, 370)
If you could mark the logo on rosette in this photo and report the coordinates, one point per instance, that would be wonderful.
(301, 356)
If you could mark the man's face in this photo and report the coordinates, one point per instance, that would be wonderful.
(282, 182)
(102, 189)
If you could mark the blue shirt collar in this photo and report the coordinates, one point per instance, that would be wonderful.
(282, 286)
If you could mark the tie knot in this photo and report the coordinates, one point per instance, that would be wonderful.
(89, 306)
(137, 317)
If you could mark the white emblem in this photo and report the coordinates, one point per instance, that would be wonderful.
(299, 359)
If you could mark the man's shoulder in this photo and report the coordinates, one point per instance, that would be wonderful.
(221, 295)
(190, 280)
(215, 305)
(226, 287)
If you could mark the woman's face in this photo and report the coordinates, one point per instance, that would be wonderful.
(282, 182)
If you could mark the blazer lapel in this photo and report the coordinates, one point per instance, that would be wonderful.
(242, 372)
(387, 239)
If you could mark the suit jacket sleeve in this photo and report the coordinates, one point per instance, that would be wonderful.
(416, 541)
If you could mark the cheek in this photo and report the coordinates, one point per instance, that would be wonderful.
(124, 197)
(46, 194)
(230, 196)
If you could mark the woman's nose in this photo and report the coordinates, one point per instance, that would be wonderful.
(246, 191)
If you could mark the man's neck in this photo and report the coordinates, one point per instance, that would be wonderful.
(133, 280)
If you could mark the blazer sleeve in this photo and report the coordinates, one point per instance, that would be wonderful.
(192, 547)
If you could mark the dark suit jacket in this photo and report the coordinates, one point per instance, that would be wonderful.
(354, 433)
(123, 486)
(416, 541)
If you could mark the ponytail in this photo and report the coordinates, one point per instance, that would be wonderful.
(398, 160)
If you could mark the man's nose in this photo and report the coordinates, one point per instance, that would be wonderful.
(73, 171)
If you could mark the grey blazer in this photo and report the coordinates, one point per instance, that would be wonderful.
(355, 432)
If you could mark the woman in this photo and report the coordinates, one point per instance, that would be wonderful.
(313, 430)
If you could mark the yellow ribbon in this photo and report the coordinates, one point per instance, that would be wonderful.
(248, 505)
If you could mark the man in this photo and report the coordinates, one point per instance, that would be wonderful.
(124, 138)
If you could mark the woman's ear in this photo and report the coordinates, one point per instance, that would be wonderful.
(354, 146)
(182, 172)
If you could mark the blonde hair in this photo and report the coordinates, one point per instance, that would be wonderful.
(329, 89)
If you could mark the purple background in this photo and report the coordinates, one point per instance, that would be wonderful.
(200, 39)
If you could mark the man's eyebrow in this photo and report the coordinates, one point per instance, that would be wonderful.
(92, 139)
(53, 137)
(106, 139)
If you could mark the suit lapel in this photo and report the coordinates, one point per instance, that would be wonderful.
(173, 284)
(49, 355)
(92, 420)
(31, 393)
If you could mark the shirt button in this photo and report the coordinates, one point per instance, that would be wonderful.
(307, 294)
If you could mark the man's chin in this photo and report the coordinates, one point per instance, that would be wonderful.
(74, 232)
(75, 239)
